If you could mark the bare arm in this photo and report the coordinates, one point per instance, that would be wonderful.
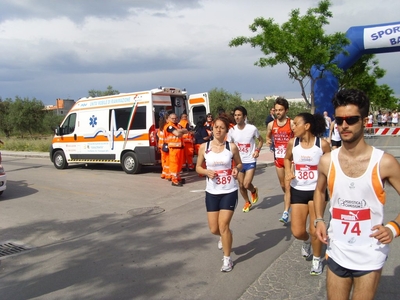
(199, 164)
(331, 130)
(319, 196)
(236, 159)
(389, 170)
(288, 161)
(325, 146)
(258, 147)
(269, 133)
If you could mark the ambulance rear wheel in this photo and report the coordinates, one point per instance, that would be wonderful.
(59, 160)
(130, 163)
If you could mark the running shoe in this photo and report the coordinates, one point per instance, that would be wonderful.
(306, 250)
(285, 217)
(227, 265)
(316, 267)
(246, 207)
(254, 196)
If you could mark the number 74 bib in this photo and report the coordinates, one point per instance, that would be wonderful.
(352, 227)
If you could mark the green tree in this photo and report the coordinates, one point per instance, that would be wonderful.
(222, 100)
(382, 97)
(98, 93)
(300, 43)
(364, 75)
(6, 122)
(51, 121)
(27, 115)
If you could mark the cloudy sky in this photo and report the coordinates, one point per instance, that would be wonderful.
(61, 49)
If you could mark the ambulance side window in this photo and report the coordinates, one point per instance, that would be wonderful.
(69, 124)
(198, 111)
(122, 116)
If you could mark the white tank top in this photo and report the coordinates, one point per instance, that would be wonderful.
(244, 140)
(356, 205)
(221, 163)
(306, 165)
(335, 134)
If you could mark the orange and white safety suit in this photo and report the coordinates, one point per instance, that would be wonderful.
(188, 142)
(175, 146)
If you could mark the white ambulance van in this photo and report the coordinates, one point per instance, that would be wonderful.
(121, 128)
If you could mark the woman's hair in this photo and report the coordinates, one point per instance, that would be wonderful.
(200, 123)
(316, 121)
(162, 121)
(223, 117)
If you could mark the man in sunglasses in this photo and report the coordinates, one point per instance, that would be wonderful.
(357, 242)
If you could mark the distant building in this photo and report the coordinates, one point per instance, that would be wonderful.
(62, 106)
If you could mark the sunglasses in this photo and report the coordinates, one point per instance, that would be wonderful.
(349, 120)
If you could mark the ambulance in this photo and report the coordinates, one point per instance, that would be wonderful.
(121, 129)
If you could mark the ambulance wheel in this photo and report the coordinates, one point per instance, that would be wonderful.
(130, 163)
(59, 160)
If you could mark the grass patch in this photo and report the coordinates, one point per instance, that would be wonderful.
(34, 144)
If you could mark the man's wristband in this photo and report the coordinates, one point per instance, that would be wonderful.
(258, 149)
(318, 220)
(394, 227)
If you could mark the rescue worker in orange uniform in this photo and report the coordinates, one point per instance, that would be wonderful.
(173, 135)
(188, 142)
(163, 146)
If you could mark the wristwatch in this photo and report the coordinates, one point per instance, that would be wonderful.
(318, 220)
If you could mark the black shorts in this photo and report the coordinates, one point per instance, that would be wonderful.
(300, 197)
(340, 271)
(216, 202)
(336, 143)
(303, 197)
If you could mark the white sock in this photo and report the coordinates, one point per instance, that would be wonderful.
(227, 257)
(316, 258)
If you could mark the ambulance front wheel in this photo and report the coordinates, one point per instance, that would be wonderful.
(130, 163)
(59, 160)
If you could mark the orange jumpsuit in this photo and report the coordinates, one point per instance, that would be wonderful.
(187, 138)
(175, 146)
(164, 155)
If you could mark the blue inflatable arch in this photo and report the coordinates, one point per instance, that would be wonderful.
(371, 39)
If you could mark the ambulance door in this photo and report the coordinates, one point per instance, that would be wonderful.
(198, 105)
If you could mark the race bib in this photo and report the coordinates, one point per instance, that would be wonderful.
(352, 227)
(224, 177)
(280, 152)
(244, 148)
(306, 172)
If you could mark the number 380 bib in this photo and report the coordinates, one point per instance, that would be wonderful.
(352, 227)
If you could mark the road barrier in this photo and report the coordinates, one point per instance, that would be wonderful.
(387, 131)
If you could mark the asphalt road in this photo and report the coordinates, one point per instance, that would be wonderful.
(97, 233)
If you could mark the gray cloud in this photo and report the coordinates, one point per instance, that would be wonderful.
(78, 10)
